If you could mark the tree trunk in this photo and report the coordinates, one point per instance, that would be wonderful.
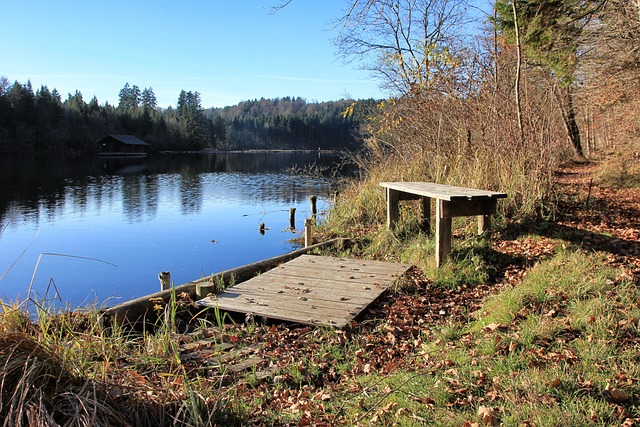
(518, 72)
(569, 118)
(572, 126)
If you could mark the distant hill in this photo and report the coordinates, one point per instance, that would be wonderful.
(286, 123)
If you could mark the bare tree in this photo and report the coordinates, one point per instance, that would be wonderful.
(612, 44)
(411, 44)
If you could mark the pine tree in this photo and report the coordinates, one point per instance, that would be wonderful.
(191, 119)
(149, 101)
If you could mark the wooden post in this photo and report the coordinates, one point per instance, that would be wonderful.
(314, 209)
(165, 280)
(308, 232)
(262, 228)
(203, 289)
(393, 212)
(484, 223)
(425, 223)
(443, 233)
(292, 218)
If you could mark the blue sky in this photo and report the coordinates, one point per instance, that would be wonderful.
(228, 51)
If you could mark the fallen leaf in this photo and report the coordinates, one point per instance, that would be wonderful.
(617, 395)
(492, 327)
(487, 415)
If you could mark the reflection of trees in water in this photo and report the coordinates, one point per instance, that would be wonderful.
(33, 188)
(140, 197)
(190, 193)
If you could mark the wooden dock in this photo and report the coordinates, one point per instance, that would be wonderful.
(311, 289)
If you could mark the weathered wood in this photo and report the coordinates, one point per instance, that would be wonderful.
(402, 196)
(292, 218)
(468, 208)
(139, 308)
(441, 191)
(443, 234)
(425, 223)
(393, 211)
(311, 289)
(249, 363)
(308, 232)
(165, 280)
(314, 208)
(451, 201)
(484, 223)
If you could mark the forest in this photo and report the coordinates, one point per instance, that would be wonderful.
(42, 122)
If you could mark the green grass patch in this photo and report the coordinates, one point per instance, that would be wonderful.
(554, 350)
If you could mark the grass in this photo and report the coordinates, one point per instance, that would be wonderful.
(544, 332)
(545, 352)
(621, 168)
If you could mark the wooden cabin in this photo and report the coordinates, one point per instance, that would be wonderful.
(121, 145)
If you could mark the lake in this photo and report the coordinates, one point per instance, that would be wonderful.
(99, 230)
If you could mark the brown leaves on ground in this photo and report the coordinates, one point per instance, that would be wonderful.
(313, 369)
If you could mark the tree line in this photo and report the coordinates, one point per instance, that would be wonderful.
(41, 121)
(287, 123)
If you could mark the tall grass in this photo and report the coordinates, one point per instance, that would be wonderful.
(77, 369)
(462, 137)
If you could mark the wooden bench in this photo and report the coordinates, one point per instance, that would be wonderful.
(450, 202)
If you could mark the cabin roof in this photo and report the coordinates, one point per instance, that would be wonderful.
(125, 139)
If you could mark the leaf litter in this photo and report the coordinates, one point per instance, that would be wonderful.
(317, 382)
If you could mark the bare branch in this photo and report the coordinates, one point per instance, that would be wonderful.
(275, 9)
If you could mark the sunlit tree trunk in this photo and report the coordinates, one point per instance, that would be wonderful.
(518, 71)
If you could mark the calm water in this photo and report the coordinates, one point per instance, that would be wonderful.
(102, 229)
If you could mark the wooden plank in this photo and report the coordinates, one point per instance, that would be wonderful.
(336, 263)
(286, 312)
(261, 294)
(208, 344)
(341, 276)
(441, 191)
(468, 208)
(249, 363)
(311, 289)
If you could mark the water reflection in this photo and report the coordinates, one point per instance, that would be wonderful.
(37, 187)
(146, 215)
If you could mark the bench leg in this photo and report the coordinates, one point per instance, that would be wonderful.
(393, 211)
(484, 223)
(443, 234)
(425, 223)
